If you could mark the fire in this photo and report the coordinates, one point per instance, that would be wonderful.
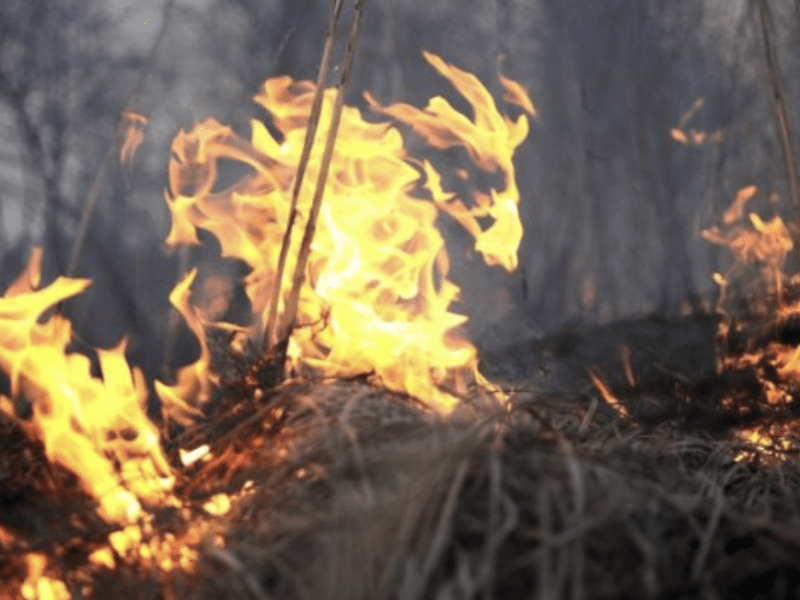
(96, 428)
(131, 135)
(376, 297)
(760, 249)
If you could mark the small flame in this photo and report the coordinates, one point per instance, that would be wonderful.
(376, 297)
(608, 396)
(764, 245)
(131, 133)
(694, 137)
(194, 381)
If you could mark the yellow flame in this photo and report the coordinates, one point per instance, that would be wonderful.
(490, 140)
(376, 297)
(37, 586)
(194, 381)
(97, 428)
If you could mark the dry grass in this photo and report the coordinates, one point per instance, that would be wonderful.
(360, 493)
(375, 499)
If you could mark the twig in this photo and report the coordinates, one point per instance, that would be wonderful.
(496, 532)
(284, 331)
(270, 338)
(492, 543)
(442, 534)
(544, 584)
(781, 111)
(97, 186)
(708, 536)
(234, 564)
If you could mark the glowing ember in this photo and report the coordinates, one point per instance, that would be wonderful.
(376, 297)
(693, 137)
(131, 135)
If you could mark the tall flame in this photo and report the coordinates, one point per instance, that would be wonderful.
(376, 296)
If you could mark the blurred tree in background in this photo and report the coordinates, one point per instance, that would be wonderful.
(611, 202)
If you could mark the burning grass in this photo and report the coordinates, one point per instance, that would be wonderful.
(342, 490)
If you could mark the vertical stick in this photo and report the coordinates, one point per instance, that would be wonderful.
(285, 329)
(781, 111)
(270, 337)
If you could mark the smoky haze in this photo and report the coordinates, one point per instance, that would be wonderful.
(611, 204)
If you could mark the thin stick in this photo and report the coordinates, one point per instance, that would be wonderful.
(284, 331)
(781, 111)
(270, 337)
(88, 209)
(247, 578)
(445, 527)
(97, 186)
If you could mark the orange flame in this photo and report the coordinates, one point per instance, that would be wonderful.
(694, 137)
(97, 428)
(376, 296)
(766, 246)
(608, 396)
(131, 135)
(195, 381)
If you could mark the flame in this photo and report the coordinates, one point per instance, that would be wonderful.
(37, 585)
(194, 381)
(96, 428)
(694, 137)
(131, 132)
(763, 245)
(608, 396)
(376, 297)
(490, 141)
